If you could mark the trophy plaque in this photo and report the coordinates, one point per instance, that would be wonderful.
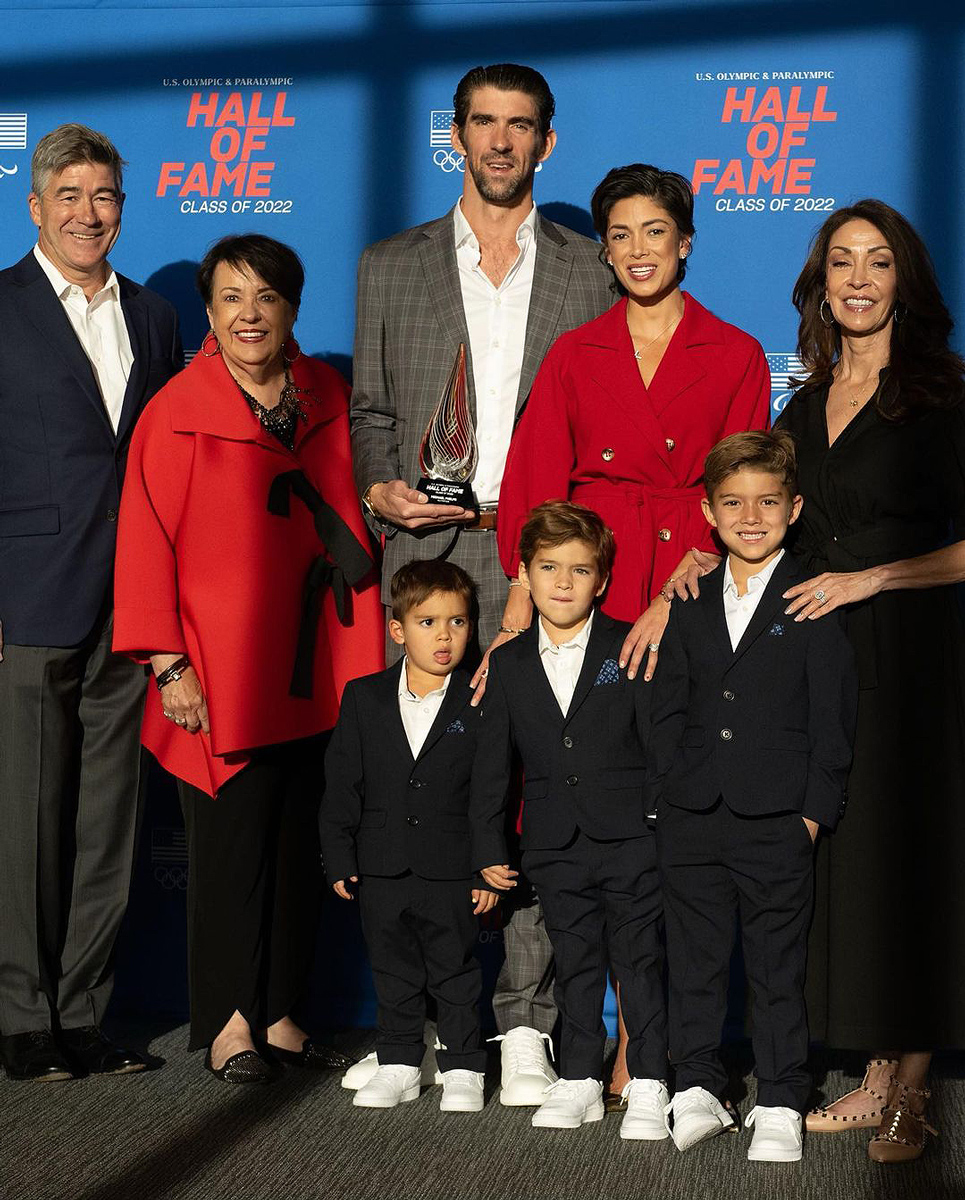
(449, 452)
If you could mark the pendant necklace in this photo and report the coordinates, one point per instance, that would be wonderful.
(637, 353)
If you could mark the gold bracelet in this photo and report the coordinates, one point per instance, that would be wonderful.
(504, 629)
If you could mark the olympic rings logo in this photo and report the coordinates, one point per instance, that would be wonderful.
(449, 160)
(172, 877)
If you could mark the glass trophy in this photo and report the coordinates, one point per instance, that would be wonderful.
(449, 451)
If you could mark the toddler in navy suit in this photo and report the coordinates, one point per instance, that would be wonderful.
(394, 821)
(558, 694)
(753, 718)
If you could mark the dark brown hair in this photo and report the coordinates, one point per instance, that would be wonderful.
(770, 451)
(277, 264)
(924, 372)
(416, 581)
(558, 521)
(670, 190)
(507, 77)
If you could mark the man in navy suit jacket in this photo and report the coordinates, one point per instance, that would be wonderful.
(83, 349)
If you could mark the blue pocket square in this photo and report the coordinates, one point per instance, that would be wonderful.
(776, 630)
(456, 727)
(609, 673)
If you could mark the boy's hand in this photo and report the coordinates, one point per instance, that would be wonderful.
(813, 828)
(500, 877)
(483, 900)
(340, 889)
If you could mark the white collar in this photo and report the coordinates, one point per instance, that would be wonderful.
(579, 642)
(755, 583)
(405, 692)
(62, 286)
(464, 232)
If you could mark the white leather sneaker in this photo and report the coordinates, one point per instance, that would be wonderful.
(361, 1072)
(570, 1103)
(526, 1072)
(645, 1119)
(392, 1084)
(697, 1115)
(462, 1091)
(777, 1135)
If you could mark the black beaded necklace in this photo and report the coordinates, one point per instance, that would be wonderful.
(282, 420)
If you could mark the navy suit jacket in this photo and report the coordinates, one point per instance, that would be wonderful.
(586, 770)
(768, 726)
(385, 812)
(61, 464)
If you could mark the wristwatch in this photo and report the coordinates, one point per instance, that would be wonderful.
(367, 503)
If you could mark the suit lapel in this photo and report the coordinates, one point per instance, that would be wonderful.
(551, 274)
(458, 694)
(438, 254)
(771, 604)
(393, 728)
(600, 646)
(711, 600)
(530, 664)
(135, 317)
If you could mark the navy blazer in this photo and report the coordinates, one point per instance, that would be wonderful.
(586, 770)
(385, 812)
(61, 464)
(768, 726)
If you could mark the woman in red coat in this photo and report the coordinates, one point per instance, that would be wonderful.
(243, 579)
(626, 407)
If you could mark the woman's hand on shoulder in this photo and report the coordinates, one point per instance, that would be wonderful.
(824, 593)
(644, 638)
(684, 584)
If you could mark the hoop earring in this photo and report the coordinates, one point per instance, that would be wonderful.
(821, 307)
(285, 353)
(898, 315)
(217, 345)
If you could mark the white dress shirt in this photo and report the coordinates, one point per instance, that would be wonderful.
(738, 610)
(101, 330)
(496, 319)
(564, 663)
(418, 712)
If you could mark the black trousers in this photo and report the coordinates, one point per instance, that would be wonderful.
(601, 902)
(254, 888)
(71, 783)
(420, 935)
(715, 866)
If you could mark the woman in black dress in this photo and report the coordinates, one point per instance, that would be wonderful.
(880, 431)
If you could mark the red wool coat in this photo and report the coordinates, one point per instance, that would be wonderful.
(203, 568)
(593, 433)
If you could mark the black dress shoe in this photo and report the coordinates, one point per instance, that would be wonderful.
(247, 1066)
(34, 1055)
(312, 1055)
(98, 1055)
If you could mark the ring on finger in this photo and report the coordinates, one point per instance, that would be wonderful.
(820, 595)
(169, 715)
(653, 647)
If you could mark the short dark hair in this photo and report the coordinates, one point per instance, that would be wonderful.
(415, 582)
(670, 190)
(558, 521)
(277, 264)
(770, 451)
(508, 77)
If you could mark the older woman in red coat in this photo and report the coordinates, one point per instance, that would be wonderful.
(243, 578)
(626, 407)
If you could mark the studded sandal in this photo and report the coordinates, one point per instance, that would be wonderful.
(903, 1130)
(826, 1120)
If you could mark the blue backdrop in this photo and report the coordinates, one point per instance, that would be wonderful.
(327, 126)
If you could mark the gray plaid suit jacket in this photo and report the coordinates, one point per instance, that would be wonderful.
(409, 324)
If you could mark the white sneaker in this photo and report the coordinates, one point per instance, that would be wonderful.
(697, 1115)
(569, 1104)
(777, 1135)
(644, 1119)
(462, 1091)
(526, 1072)
(361, 1072)
(392, 1084)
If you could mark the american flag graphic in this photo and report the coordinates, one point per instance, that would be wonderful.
(782, 367)
(13, 131)
(440, 123)
(169, 845)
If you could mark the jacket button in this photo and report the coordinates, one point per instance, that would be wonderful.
(671, 444)
(606, 454)
(112, 514)
(728, 695)
(664, 535)
(415, 783)
(568, 742)
(726, 734)
(412, 820)
(572, 780)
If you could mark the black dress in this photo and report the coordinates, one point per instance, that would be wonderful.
(886, 967)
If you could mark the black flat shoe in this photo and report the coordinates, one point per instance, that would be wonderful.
(34, 1055)
(314, 1056)
(96, 1054)
(247, 1066)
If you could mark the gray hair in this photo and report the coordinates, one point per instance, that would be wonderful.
(68, 145)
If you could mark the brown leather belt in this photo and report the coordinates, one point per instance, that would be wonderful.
(485, 521)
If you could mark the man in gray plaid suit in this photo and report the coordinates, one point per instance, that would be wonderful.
(501, 279)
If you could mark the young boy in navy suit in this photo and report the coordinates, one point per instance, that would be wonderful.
(753, 718)
(394, 821)
(558, 694)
